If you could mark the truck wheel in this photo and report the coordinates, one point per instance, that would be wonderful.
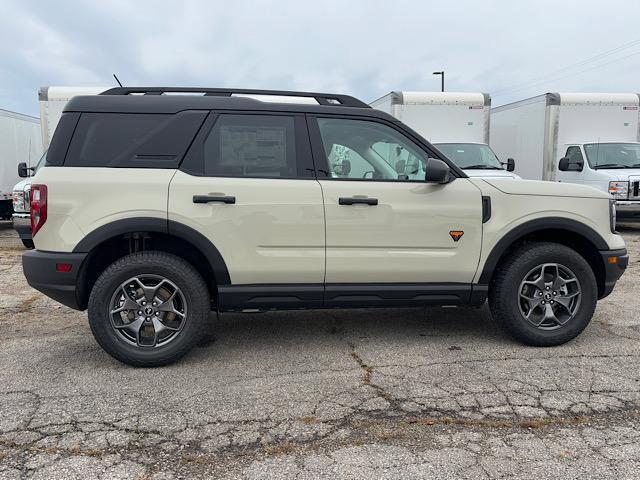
(28, 243)
(148, 309)
(543, 294)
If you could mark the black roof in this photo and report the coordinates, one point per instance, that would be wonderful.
(159, 100)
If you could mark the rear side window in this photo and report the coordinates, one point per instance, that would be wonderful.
(251, 146)
(135, 140)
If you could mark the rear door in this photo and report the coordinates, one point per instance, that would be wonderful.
(248, 184)
(388, 232)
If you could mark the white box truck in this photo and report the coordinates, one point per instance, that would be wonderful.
(457, 123)
(587, 138)
(20, 141)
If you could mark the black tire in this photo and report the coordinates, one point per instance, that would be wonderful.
(504, 293)
(176, 270)
(28, 243)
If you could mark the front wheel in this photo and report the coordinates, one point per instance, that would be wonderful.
(148, 309)
(28, 243)
(544, 294)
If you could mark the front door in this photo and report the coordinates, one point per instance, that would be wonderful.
(383, 227)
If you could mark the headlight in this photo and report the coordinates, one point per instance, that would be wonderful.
(619, 190)
(612, 215)
(18, 201)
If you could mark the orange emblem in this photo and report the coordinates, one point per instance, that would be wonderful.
(456, 234)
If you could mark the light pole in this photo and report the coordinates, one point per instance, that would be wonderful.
(441, 78)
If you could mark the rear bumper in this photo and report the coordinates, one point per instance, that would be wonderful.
(22, 225)
(628, 210)
(615, 263)
(41, 273)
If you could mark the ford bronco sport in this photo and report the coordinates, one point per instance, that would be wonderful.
(154, 209)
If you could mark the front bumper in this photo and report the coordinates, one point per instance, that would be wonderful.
(628, 210)
(615, 263)
(22, 225)
(41, 273)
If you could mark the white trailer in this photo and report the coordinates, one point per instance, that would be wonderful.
(20, 141)
(587, 138)
(457, 123)
(52, 101)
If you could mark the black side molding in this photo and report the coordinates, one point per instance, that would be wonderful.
(540, 224)
(159, 225)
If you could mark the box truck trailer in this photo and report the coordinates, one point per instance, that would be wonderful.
(586, 138)
(457, 123)
(20, 141)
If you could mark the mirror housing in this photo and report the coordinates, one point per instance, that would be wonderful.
(566, 165)
(437, 171)
(511, 164)
(23, 170)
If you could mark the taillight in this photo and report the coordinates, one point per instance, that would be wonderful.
(38, 207)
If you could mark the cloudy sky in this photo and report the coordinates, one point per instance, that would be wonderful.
(511, 49)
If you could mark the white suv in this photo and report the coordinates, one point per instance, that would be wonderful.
(154, 209)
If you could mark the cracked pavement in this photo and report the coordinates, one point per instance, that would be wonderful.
(393, 393)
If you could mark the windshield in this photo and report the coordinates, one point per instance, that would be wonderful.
(613, 155)
(471, 156)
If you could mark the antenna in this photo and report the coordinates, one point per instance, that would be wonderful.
(119, 83)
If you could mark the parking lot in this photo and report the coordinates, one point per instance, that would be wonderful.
(437, 393)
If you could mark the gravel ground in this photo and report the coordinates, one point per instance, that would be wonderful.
(417, 393)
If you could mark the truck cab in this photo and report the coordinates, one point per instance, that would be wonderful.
(612, 167)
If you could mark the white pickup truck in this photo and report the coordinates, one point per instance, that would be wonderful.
(585, 138)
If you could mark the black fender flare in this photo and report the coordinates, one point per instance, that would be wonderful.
(532, 226)
(159, 225)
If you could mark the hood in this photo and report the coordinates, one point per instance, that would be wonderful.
(620, 174)
(553, 189)
(21, 184)
(491, 174)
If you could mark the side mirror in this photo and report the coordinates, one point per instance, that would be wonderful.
(511, 164)
(401, 166)
(23, 170)
(566, 165)
(437, 171)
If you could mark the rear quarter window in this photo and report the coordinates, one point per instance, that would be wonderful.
(135, 140)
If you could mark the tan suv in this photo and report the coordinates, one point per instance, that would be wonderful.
(154, 209)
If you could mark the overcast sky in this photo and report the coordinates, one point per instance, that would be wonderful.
(364, 48)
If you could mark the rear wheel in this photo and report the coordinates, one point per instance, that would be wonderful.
(544, 294)
(148, 309)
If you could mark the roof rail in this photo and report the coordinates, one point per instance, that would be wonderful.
(321, 98)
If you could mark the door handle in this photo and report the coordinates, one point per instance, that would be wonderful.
(354, 200)
(213, 198)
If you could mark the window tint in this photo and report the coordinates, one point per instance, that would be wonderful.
(105, 139)
(251, 146)
(574, 154)
(364, 150)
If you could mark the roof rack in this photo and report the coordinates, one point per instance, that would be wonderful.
(321, 98)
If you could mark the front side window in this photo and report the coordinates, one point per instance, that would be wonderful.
(364, 150)
(251, 146)
(613, 155)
